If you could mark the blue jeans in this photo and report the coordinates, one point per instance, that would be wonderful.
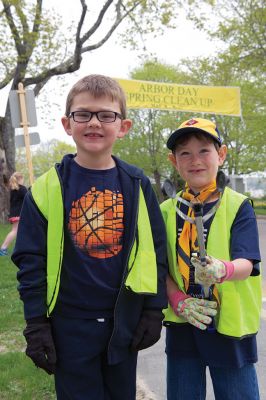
(186, 380)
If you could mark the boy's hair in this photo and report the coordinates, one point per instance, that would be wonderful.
(13, 180)
(182, 140)
(98, 86)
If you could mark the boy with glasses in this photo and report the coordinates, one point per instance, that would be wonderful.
(91, 255)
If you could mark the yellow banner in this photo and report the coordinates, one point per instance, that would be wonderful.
(194, 98)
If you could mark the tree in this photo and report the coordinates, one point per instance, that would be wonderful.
(242, 28)
(32, 30)
(239, 25)
(244, 137)
(145, 145)
(44, 157)
(38, 50)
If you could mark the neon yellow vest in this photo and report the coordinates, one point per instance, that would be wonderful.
(239, 313)
(142, 266)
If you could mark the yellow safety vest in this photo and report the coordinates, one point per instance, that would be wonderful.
(239, 312)
(142, 265)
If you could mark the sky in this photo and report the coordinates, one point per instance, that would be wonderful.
(112, 60)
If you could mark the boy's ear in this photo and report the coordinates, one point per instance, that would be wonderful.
(66, 124)
(172, 159)
(222, 154)
(126, 124)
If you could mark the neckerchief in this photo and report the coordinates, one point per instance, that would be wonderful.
(187, 243)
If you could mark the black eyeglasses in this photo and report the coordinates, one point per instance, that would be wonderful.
(102, 116)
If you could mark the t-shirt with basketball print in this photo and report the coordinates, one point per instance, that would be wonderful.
(92, 264)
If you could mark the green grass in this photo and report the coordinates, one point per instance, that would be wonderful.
(260, 211)
(19, 378)
(259, 206)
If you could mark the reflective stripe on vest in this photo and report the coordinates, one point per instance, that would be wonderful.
(239, 313)
(142, 266)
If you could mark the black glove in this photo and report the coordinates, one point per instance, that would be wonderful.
(40, 345)
(148, 330)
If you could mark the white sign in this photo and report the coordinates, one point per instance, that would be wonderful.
(15, 108)
(34, 139)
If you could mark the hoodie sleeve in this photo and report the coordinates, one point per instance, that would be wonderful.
(30, 257)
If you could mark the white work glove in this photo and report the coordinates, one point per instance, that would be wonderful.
(197, 312)
(216, 271)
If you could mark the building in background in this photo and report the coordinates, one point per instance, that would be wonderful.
(237, 183)
(255, 185)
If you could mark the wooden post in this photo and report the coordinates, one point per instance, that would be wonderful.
(24, 123)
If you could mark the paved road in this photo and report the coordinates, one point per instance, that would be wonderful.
(152, 362)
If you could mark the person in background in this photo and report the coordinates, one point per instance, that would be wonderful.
(91, 253)
(17, 194)
(214, 310)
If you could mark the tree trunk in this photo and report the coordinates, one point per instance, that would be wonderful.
(4, 192)
(7, 162)
(8, 138)
(159, 193)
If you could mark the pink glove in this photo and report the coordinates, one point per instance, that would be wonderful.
(216, 271)
(197, 312)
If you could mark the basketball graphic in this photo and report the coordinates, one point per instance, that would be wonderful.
(96, 223)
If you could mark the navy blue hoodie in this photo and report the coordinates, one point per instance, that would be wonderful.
(30, 256)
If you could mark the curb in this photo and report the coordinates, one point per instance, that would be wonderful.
(143, 392)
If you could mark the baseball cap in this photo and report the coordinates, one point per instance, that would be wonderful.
(199, 125)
